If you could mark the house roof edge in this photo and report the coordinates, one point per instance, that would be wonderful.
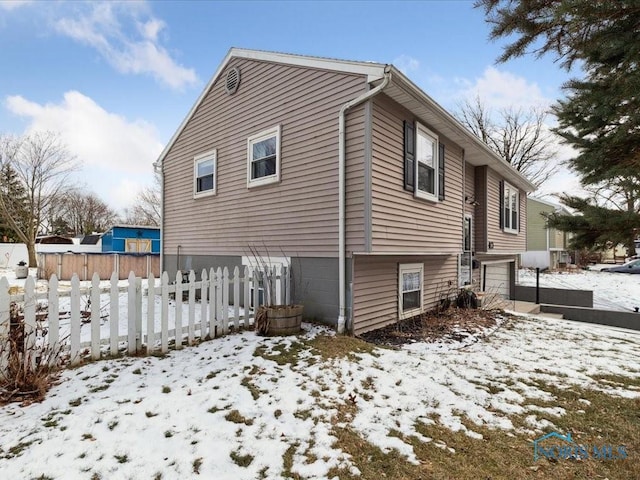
(372, 70)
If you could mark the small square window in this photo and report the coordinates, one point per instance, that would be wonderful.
(410, 281)
(204, 173)
(263, 158)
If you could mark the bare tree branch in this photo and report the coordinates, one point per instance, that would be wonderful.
(42, 164)
(147, 209)
(518, 136)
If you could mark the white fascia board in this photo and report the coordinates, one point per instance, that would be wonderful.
(373, 71)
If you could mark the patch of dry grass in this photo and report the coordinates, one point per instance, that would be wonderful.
(501, 454)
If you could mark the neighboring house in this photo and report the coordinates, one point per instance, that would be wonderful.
(546, 247)
(92, 239)
(54, 240)
(131, 239)
(377, 197)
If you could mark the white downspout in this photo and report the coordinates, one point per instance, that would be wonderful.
(342, 193)
(158, 169)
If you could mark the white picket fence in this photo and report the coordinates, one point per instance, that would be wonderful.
(135, 320)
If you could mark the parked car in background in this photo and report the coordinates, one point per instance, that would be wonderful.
(630, 267)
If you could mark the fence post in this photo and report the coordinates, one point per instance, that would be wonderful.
(256, 291)
(236, 298)
(204, 289)
(5, 306)
(225, 301)
(279, 284)
(114, 314)
(218, 295)
(178, 315)
(53, 314)
(286, 271)
(247, 296)
(164, 319)
(192, 307)
(30, 322)
(131, 314)
(74, 339)
(95, 316)
(138, 314)
(212, 304)
(151, 310)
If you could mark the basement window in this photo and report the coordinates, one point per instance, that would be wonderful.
(410, 282)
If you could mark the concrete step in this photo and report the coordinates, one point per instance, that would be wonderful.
(558, 316)
(524, 307)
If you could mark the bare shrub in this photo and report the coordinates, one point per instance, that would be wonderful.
(30, 370)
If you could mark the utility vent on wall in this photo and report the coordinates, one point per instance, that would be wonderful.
(233, 80)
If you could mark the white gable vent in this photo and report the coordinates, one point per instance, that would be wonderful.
(233, 80)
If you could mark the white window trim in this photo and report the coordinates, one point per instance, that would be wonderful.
(511, 189)
(256, 138)
(410, 268)
(203, 157)
(432, 197)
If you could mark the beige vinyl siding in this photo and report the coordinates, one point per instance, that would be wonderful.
(355, 178)
(506, 242)
(297, 216)
(375, 287)
(399, 221)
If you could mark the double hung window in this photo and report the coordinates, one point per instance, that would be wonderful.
(204, 172)
(263, 158)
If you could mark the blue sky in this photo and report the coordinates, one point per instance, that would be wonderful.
(116, 79)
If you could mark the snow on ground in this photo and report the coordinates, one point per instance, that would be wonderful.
(611, 291)
(223, 405)
(227, 410)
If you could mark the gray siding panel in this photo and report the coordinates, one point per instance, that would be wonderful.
(297, 216)
(401, 222)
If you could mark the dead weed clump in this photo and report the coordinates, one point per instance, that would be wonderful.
(442, 325)
(28, 366)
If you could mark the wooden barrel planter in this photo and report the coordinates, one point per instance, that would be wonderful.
(279, 320)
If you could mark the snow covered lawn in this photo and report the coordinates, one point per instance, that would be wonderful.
(247, 407)
(611, 291)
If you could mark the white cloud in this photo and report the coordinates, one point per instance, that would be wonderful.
(501, 89)
(13, 4)
(129, 44)
(406, 64)
(110, 148)
(126, 191)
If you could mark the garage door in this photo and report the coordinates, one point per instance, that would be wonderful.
(497, 279)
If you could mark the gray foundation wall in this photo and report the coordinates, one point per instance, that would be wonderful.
(314, 280)
(171, 263)
(555, 296)
(610, 318)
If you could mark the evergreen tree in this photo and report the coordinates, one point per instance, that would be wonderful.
(15, 193)
(600, 117)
